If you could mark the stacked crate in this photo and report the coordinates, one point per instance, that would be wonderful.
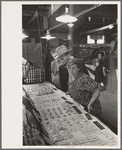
(35, 75)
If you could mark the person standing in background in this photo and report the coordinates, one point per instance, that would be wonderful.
(99, 69)
(111, 84)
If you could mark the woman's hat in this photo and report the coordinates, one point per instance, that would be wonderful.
(72, 61)
(62, 51)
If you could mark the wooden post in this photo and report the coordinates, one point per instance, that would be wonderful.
(70, 29)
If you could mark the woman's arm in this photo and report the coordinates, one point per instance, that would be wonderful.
(104, 71)
(94, 97)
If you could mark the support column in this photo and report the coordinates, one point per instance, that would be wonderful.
(70, 36)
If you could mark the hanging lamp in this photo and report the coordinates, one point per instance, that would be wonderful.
(48, 36)
(24, 36)
(66, 17)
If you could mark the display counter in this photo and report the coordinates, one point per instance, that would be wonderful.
(65, 122)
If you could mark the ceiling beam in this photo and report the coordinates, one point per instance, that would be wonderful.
(98, 29)
(32, 12)
(53, 9)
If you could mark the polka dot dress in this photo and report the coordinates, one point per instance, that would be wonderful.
(81, 90)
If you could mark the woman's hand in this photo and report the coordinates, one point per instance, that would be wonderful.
(94, 97)
(89, 108)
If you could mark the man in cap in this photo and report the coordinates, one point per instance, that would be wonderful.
(63, 54)
(55, 70)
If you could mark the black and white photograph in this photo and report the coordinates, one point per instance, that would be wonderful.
(64, 59)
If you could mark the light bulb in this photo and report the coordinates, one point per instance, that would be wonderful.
(70, 24)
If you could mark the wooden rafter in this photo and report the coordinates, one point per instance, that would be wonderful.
(53, 9)
(96, 30)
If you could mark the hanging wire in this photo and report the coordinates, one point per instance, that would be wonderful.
(39, 32)
(87, 10)
(46, 49)
(38, 24)
(40, 38)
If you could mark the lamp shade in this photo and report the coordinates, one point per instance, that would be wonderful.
(48, 36)
(66, 17)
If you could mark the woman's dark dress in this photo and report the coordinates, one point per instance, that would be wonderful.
(81, 90)
(99, 77)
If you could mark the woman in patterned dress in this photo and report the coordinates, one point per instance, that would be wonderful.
(83, 89)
